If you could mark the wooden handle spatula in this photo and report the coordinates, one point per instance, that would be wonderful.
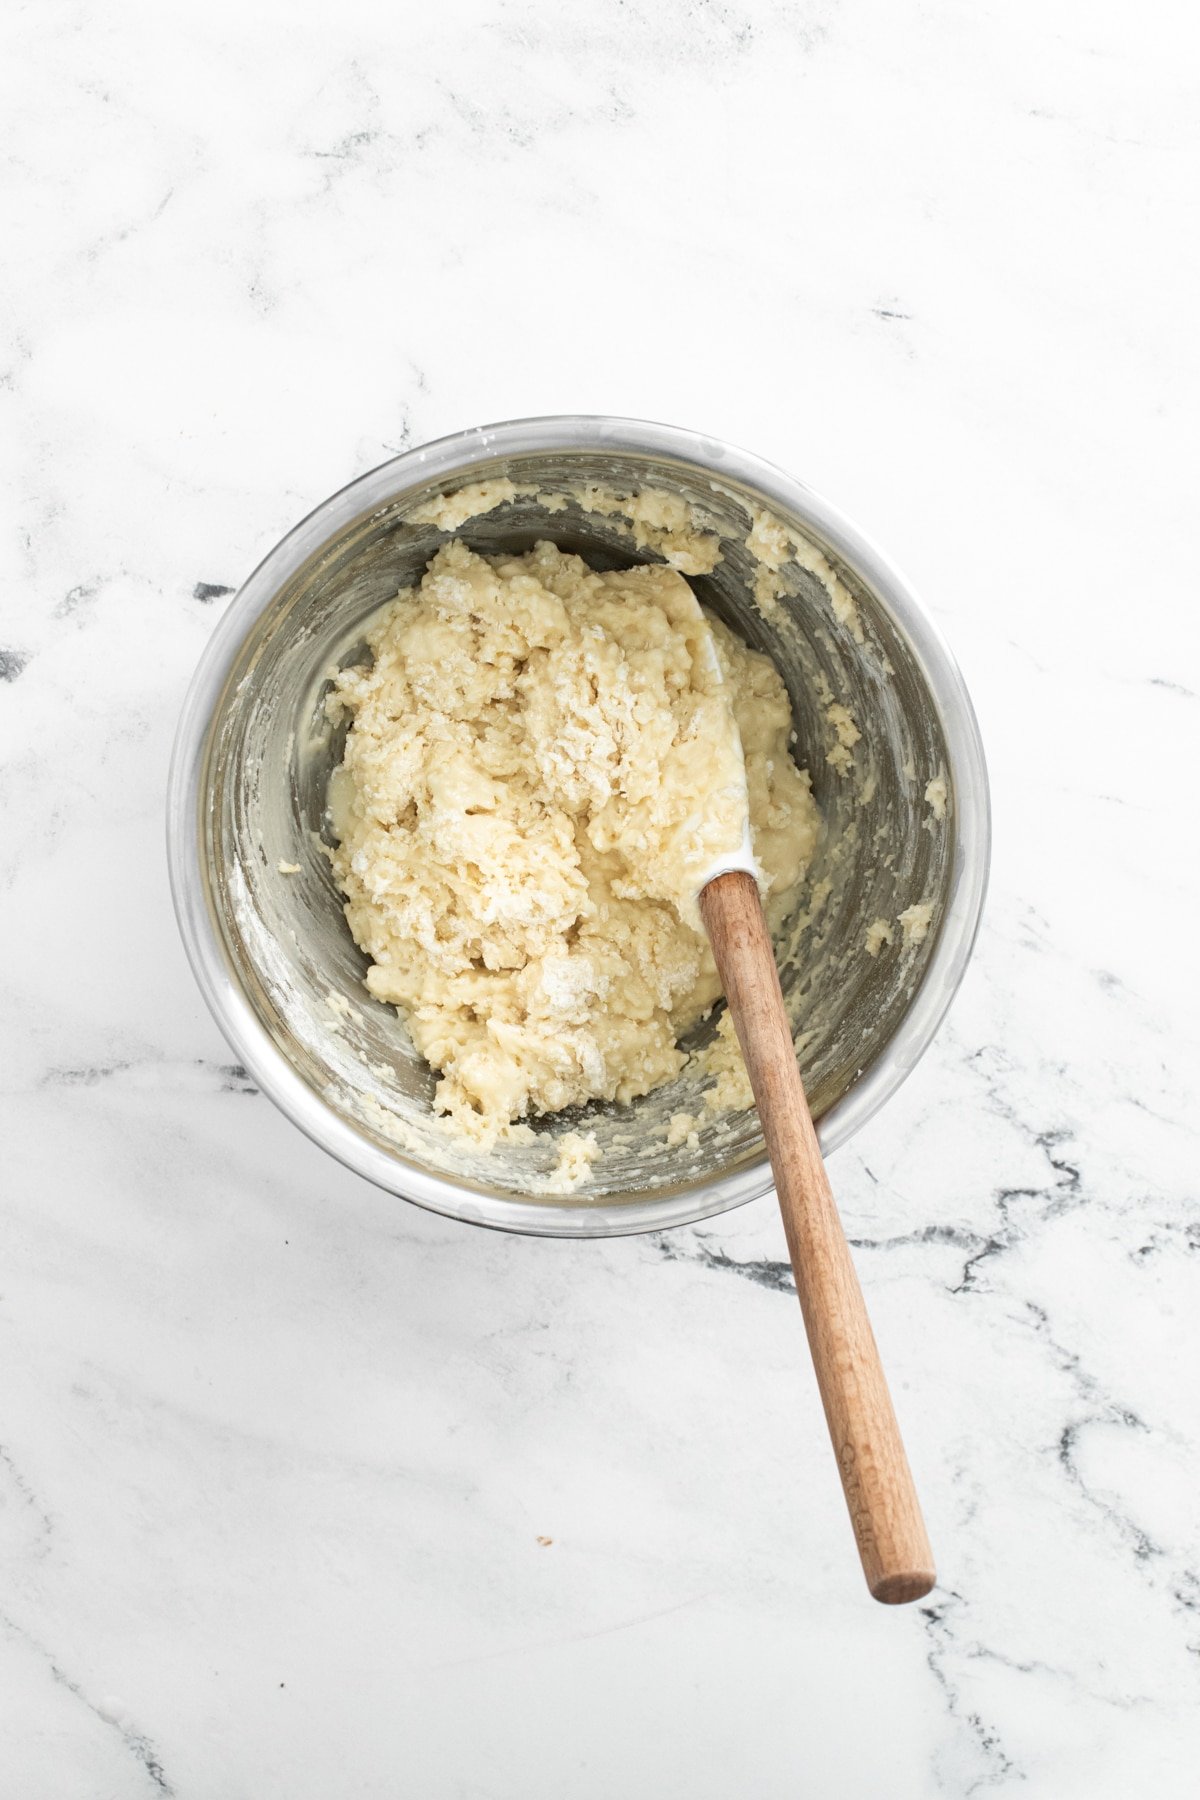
(884, 1510)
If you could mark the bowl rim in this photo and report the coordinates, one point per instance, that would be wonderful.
(442, 459)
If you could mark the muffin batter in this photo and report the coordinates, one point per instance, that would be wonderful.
(541, 763)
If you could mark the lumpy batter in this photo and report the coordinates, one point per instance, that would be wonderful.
(541, 761)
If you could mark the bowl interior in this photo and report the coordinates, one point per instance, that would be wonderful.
(270, 750)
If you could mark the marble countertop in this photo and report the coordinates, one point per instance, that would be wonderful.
(305, 1493)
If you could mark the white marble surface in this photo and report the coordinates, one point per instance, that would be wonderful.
(278, 1451)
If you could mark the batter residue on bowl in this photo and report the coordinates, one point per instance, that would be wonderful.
(541, 759)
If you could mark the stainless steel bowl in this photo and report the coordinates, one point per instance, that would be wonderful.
(272, 952)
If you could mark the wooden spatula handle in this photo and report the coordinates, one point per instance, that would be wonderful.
(884, 1510)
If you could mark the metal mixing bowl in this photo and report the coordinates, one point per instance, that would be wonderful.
(272, 952)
